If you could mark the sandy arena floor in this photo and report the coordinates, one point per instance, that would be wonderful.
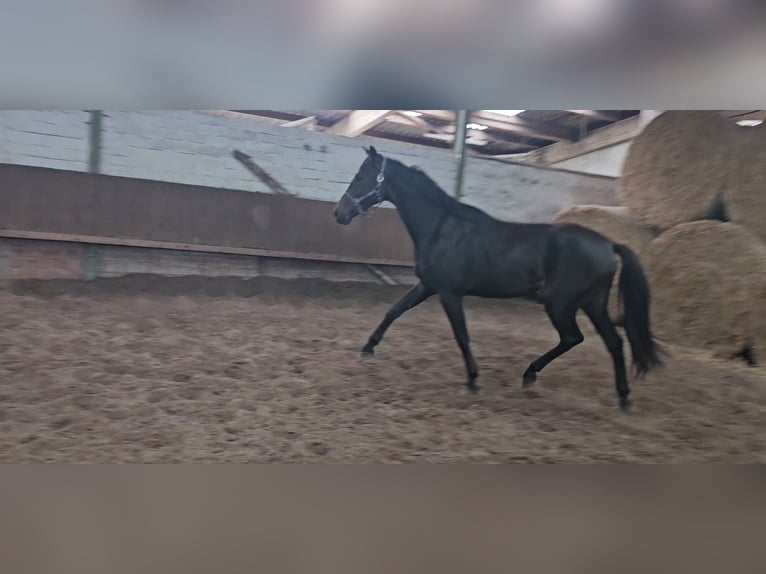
(183, 370)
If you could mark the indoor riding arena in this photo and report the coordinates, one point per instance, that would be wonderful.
(175, 288)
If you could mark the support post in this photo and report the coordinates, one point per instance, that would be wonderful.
(94, 161)
(91, 262)
(94, 166)
(460, 136)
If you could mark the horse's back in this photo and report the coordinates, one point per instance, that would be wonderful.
(582, 247)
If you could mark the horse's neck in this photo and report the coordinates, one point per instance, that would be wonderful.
(419, 212)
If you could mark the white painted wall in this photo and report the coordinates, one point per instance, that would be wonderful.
(607, 161)
(55, 139)
(195, 148)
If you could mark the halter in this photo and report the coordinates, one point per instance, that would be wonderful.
(376, 193)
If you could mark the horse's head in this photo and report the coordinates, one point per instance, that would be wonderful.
(365, 190)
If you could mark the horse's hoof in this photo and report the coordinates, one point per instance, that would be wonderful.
(367, 352)
(528, 380)
(626, 405)
(471, 390)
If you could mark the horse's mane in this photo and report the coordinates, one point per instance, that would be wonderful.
(427, 187)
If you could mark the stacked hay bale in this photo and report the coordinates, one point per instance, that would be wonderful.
(707, 281)
(759, 342)
(694, 184)
(745, 197)
(746, 205)
(617, 224)
(677, 169)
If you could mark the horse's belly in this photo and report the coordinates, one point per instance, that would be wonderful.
(510, 285)
(498, 280)
(502, 292)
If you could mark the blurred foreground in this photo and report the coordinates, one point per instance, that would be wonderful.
(268, 371)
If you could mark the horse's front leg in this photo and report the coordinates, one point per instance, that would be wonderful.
(412, 298)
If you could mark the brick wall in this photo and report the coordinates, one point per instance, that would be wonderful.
(195, 148)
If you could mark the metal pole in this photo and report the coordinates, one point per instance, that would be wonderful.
(94, 166)
(460, 136)
(94, 161)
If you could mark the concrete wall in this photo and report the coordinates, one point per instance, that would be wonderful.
(195, 148)
(607, 161)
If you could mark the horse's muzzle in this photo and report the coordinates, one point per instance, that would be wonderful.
(343, 219)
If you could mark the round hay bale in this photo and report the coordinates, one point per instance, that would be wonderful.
(708, 280)
(677, 168)
(617, 224)
(759, 341)
(745, 196)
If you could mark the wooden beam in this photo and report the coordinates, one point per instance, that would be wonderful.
(602, 115)
(745, 114)
(610, 135)
(646, 116)
(473, 137)
(530, 128)
(398, 117)
(260, 173)
(358, 122)
(444, 115)
(515, 139)
(380, 274)
(285, 115)
(514, 157)
(540, 130)
(237, 115)
(309, 120)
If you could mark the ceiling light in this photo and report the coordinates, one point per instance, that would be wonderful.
(412, 113)
(474, 126)
(749, 123)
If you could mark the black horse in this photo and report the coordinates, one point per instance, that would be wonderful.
(460, 250)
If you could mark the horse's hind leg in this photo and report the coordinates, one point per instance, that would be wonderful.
(564, 320)
(596, 309)
(412, 298)
(453, 307)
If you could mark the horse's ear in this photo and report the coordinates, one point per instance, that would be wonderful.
(371, 151)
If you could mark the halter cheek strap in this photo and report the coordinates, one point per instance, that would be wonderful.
(377, 193)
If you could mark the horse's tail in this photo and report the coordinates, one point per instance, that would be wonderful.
(636, 298)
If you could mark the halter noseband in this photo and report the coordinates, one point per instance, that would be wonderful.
(376, 193)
